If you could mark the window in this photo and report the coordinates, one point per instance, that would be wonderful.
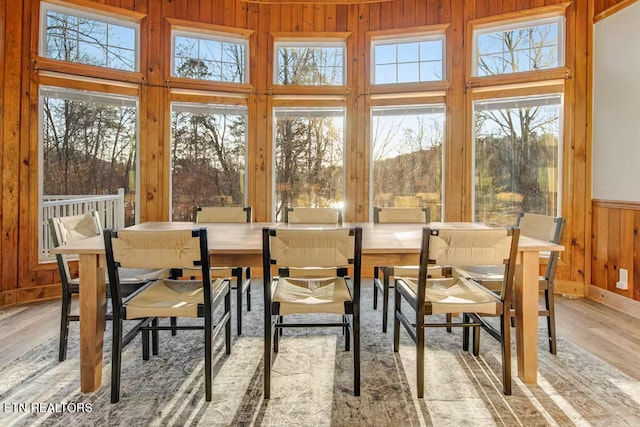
(309, 157)
(407, 157)
(310, 63)
(210, 57)
(529, 46)
(87, 38)
(88, 150)
(208, 152)
(411, 60)
(517, 152)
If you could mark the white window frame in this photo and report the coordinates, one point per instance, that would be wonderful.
(410, 39)
(212, 37)
(561, 140)
(96, 16)
(560, 20)
(80, 95)
(431, 108)
(213, 108)
(300, 111)
(309, 44)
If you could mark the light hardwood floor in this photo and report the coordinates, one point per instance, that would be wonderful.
(609, 334)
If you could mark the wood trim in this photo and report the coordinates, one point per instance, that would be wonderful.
(419, 99)
(615, 204)
(406, 88)
(569, 288)
(408, 32)
(206, 85)
(523, 78)
(206, 28)
(309, 102)
(298, 36)
(613, 300)
(100, 9)
(310, 90)
(85, 70)
(318, 2)
(519, 16)
(509, 91)
(92, 84)
(622, 4)
(206, 98)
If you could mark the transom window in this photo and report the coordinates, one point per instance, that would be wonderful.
(529, 46)
(209, 57)
(208, 157)
(309, 157)
(87, 38)
(408, 156)
(517, 154)
(410, 60)
(310, 63)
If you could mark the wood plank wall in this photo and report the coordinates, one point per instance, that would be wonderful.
(22, 279)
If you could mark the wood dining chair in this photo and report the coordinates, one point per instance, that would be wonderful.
(74, 228)
(338, 294)
(382, 284)
(186, 249)
(241, 275)
(541, 227)
(297, 215)
(440, 296)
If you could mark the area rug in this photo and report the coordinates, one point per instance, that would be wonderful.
(312, 383)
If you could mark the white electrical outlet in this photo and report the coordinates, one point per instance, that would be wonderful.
(623, 280)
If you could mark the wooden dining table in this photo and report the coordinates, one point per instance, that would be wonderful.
(241, 244)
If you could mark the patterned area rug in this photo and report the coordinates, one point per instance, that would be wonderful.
(312, 383)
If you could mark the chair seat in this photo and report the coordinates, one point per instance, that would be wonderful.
(456, 295)
(317, 295)
(169, 298)
(487, 274)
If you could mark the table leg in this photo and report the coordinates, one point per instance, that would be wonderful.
(526, 302)
(92, 302)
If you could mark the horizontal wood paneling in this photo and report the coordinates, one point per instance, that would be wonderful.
(18, 101)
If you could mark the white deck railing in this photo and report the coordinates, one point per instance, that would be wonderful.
(110, 208)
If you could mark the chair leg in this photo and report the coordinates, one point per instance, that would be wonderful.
(116, 360)
(173, 322)
(551, 318)
(239, 283)
(280, 320)
(347, 335)
(420, 354)
(356, 352)
(385, 300)
(449, 317)
(476, 341)
(145, 344)
(506, 353)
(376, 277)
(396, 321)
(227, 327)
(64, 325)
(155, 339)
(248, 276)
(268, 335)
(208, 350)
(465, 332)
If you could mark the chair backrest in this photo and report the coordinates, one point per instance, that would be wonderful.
(479, 247)
(67, 229)
(155, 250)
(401, 215)
(312, 215)
(236, 214)
(543, 227)
(319, 248)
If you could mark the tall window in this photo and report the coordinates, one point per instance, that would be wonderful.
(208, 157)
(310, 63)
(529, 46)
(407, 156)
(87, 38)
(309, 157)
(517, 157)
(410, 60)
(210, 57)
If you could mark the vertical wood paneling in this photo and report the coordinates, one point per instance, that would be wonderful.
(433, 16)
(625, 256)
(374, 16)
(634, 274)
(410, 13)
(318, 17)
(6, 257)
(613, 248)
(386, 15)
